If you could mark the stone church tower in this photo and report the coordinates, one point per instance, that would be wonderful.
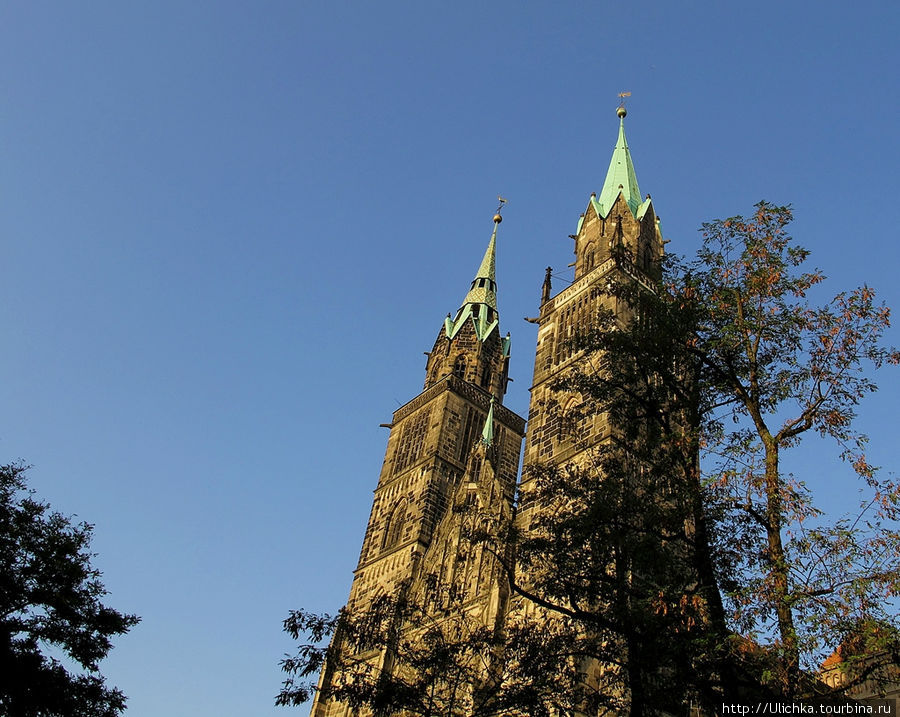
(456, 442)
(452, 443)
(617, 240)
(616, 219)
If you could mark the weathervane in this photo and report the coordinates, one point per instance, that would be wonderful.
(497, 217)
(621, 111)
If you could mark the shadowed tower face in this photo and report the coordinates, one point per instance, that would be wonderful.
(617, 240)
(450, 439)
(616, 219)
(456, 444)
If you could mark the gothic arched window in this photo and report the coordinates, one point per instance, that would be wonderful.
(646, 256)
(393, 530)
(570, 424)
(459, 367)
(588, 262)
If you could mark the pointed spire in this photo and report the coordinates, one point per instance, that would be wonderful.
(620, 176)
(547, 288)
(487, 434)
(481, 301)
(484, 285)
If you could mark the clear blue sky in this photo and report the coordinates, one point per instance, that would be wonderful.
(229, 230)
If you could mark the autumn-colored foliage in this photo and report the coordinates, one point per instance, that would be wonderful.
(677, 562)
(780, 368)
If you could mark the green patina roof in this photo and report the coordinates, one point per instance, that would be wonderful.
(620, 174)
(620, 177)
(484, 285)
(487, 435)
(481, 302)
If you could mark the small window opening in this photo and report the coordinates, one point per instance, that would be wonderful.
(459, 367)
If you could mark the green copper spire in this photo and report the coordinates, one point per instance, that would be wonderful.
(487, 435)
(484, 286)
(620, 176)
(481, 302)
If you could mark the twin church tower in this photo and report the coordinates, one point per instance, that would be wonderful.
(456, 443)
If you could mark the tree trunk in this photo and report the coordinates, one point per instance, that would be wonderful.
(779, 570)
(709, 591)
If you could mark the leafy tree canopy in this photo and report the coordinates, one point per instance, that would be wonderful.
(677, 561)
(50, 602)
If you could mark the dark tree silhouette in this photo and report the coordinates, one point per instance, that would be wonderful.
(50, 602)
(676, 561)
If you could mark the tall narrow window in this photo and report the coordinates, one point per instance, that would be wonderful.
(588, 261)
(459, 367)
(646, 257)
(393, 531)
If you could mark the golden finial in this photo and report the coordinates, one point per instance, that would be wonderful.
(497, 217)
(621, 111)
